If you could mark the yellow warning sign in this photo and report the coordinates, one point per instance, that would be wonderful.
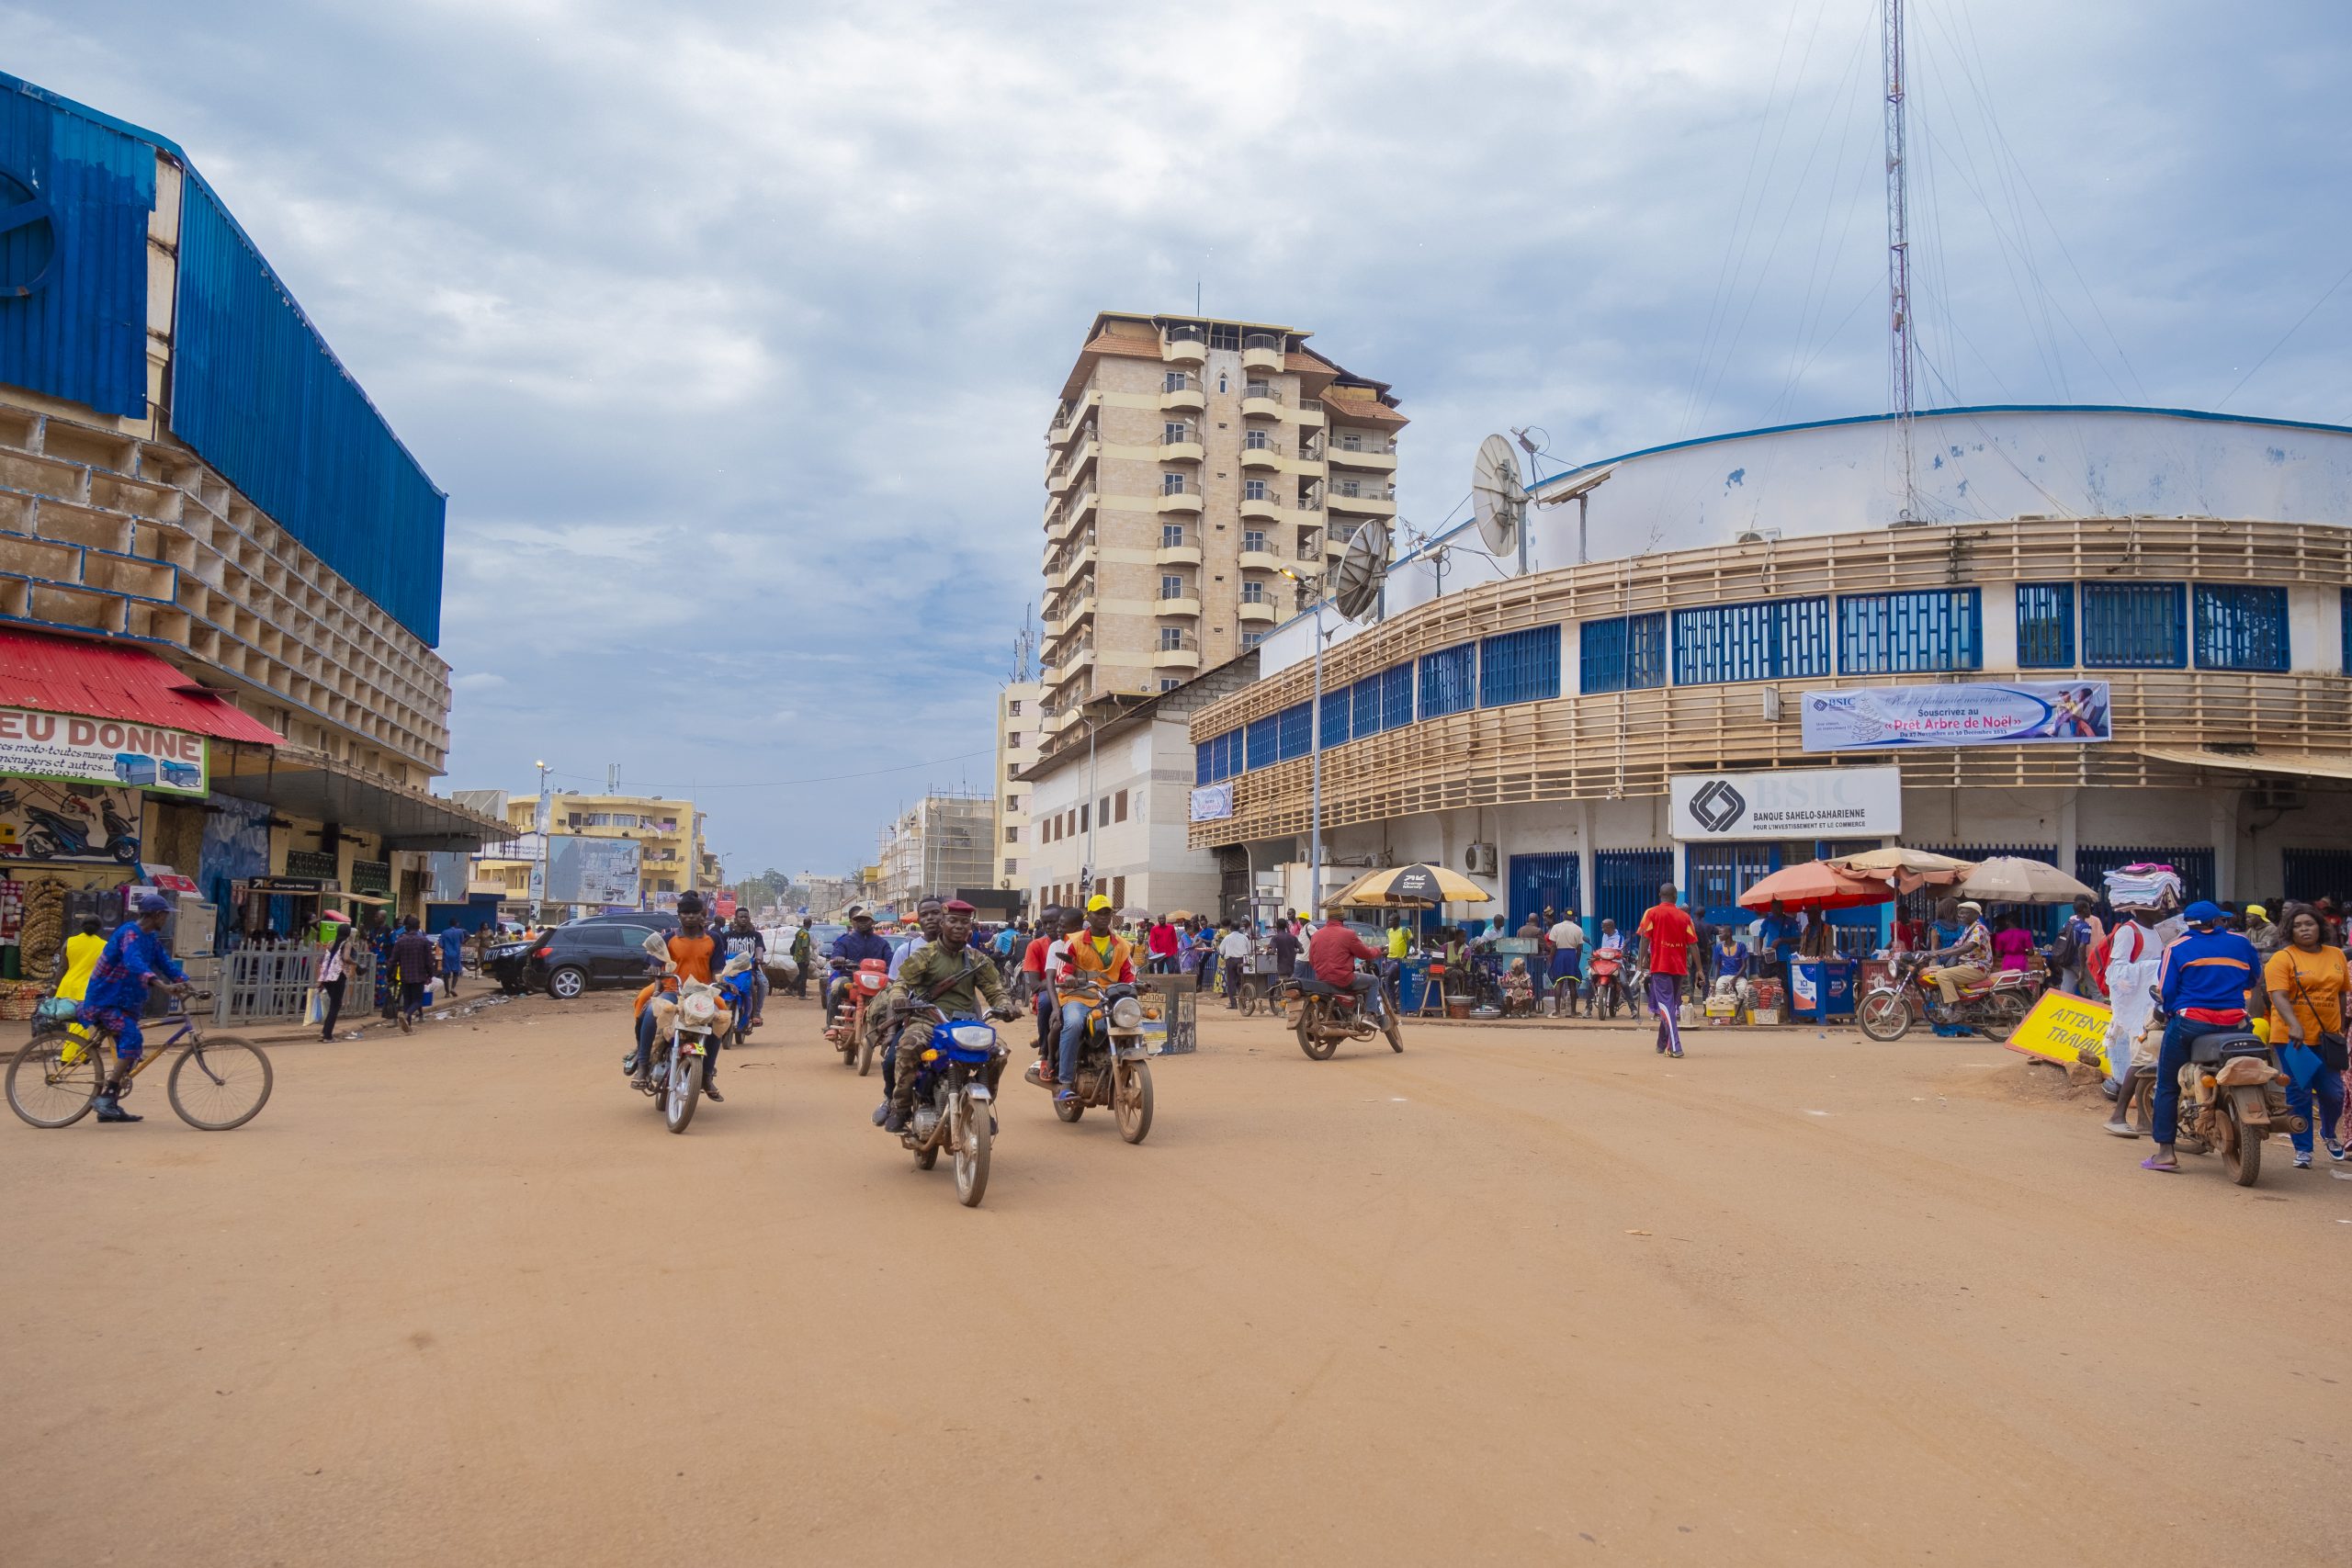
(2060, 1026)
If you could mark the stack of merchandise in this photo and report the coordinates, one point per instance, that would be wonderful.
(2143, 886)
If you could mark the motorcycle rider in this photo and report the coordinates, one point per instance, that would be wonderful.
(1331, 954)
(929, 919)
(2206, 975)
(1096, 955)
(849, 949)
(951, 974)
(1971, 955)
(744, 937)
(700, 954)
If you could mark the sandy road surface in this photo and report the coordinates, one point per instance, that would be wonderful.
(1523, 1297)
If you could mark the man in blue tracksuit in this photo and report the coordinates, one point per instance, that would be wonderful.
(133, 960)
(2203, 986)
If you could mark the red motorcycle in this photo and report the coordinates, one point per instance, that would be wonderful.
(1994, 1007)
(847, 1033)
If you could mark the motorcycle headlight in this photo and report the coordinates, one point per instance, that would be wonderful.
(1127, 1013)
(974, 1036)
(700, 1009)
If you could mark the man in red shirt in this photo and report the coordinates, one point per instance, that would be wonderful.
(1033, 975)
(1670, 936)
(1332, 952)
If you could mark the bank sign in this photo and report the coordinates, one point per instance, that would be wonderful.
(2023, 713)
(72, 749)
(1791, 802)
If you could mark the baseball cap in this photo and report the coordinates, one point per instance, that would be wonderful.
(155, 904)
(2204, 912)
(1100, 901)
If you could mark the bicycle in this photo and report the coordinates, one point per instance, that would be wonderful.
(55, 1078)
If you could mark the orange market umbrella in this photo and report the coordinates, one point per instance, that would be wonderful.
(1815, 885)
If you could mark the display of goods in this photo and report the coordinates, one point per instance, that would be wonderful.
(18, 999)
(43, 935)
(12, 911)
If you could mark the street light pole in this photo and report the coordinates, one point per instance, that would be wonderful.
(544, 820)
(1315, 800)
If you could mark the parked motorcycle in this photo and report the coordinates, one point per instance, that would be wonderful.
(848, 1032)
(1608, 985)
(2232, 1096)
(1112, 1068)
(1992, 1006)
(1327, 1015)
(696, 1019)
(955, 1098)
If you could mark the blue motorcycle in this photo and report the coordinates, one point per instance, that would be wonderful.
(955, 1081)
(739, 990)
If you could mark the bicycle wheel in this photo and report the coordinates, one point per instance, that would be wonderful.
(49, 1091)
(228, 1089)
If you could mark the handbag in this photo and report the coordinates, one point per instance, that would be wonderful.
(2328, 1049)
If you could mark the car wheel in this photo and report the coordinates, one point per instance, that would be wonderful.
(567, 983)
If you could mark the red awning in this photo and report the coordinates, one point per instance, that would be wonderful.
(108, 680)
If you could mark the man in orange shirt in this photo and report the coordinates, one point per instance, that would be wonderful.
(1095, 956)
(1670, 935)
(699, 953)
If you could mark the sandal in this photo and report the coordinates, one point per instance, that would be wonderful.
(2166, 1167)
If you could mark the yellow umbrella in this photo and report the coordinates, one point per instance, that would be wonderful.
(1418, 886)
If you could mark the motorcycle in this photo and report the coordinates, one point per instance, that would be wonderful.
(1607, 988)
(1327, 1015)
(955, 1098)
(1112, 1070)
(2232, 1096)
(54, 836)
(698, 1021)
(1994, 1007)
(847, 1032)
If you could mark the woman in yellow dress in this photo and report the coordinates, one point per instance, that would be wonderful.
(82, 949)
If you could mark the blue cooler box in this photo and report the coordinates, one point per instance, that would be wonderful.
(1822, 988)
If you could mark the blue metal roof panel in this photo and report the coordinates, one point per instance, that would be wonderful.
(75, 194)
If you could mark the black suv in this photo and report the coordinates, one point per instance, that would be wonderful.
(604, 950)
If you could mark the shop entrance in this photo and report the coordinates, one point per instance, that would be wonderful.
(1543, 881)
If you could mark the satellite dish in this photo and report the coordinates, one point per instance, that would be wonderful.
(1364, 566)
(1497, 496)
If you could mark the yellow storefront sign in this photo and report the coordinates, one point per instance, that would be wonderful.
(2060, 1026)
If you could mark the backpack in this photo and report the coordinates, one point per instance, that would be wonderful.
(2068, 949)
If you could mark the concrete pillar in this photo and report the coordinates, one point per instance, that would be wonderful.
(1588, 873)
(2068, 828)
(2223, 806)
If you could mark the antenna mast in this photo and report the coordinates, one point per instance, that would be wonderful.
(1898, 261)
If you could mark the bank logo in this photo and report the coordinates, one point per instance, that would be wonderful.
(1717, 805)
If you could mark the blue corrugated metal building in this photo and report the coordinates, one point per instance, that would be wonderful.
(254, 391)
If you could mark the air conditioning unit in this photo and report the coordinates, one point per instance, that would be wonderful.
(1480, 861)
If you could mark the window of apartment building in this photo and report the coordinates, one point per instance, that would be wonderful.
(1931, 630)
(2135, 626)
(1175, 430)
(1169, 682)
(1172, 586)
(1519, 667)
(1012, 769)
(2240, 627)
(1119, 892)
(1257, 389)
(1172, 484)
(1254, 489)
(1171, 637)
(1623, 653)
(1256, 441)
(1352, 441)
(1012, 738)
(1348, 487)
(1253, 594)
(1014, 707)
(1769, 639)
(1119, 806)
(1449, 679)
(1226, 337)
(1083, 825)
(1176, 381)
(1012, 866)
(1012, 835)
(1253, 538)
(1171, 535)
(2046, 626)
(1251, 639)
(665, 886)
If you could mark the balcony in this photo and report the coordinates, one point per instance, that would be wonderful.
(1371, 501)
(1380, 455)
(1178, 555)
(1076, 518)
(1263, 509)
(1185, 345)
(1256, 610)
(1184, 604)
(1259, 399)
(1184, 655)
(1265, 454)
(1185, 448)
(1261, 560)
(1262, 352)
(1180, 501)
(1188, 396)
(1071, 566)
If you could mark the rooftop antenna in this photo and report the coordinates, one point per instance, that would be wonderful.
(1898, 261)
(1499, 498)
(1024, 647)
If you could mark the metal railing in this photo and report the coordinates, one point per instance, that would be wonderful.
(1261, 340)
(255, 983)
(1260, 390)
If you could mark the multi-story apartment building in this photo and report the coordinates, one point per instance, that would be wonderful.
(671, 855)
(1196, 471)
(207, 529)
(1017, 740)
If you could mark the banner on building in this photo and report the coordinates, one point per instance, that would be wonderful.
(2026, 713)
(47, 822)
(1212, 802)
(72, 749)
(1788, 803)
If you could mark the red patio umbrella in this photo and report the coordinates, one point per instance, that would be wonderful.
(1815, 885)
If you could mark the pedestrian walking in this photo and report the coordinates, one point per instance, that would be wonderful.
(1234, 949)
(414, 958)
(2306, 979)
(453, 958)
(335, 970)
(1670, 935)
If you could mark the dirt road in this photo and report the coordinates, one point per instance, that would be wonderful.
(1531, 1296)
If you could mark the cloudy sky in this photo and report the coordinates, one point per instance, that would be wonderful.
(732, 329)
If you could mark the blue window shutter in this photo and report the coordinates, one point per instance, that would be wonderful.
(2046, 626)
(2134, 626)
(2242, 627)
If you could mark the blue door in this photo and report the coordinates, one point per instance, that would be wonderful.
(1542, 882)
(1625, 883)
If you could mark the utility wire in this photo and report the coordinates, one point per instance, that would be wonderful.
(2290, 332)
(789, 783)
